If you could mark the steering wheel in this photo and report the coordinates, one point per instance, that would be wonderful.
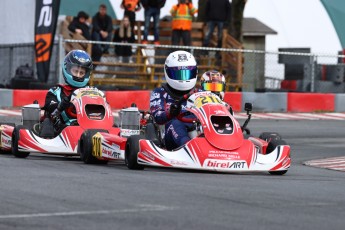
(182, 116)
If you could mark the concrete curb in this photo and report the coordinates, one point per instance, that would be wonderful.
(6, 98)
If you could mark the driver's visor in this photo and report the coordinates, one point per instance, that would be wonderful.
(213, 86)
(183, 73)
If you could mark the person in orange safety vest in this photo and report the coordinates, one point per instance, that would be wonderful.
(182, 15)
(131, 7)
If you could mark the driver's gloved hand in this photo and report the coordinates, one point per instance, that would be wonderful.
(174, 110)
(64, 104)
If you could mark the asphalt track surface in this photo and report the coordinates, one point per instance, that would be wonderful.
(49, 192)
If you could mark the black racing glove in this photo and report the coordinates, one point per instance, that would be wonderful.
(64, 104)
(174, 110)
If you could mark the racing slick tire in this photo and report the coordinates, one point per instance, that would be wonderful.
(85, 147)
(131, 153)
(271, 146)
(15, 139)
(279, 173)
(268, 136)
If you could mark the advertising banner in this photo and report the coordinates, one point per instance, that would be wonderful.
(46, 16)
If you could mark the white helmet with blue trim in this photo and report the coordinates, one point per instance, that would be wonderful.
(181, 70)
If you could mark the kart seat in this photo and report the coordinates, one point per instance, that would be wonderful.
(45, 129)
(152, 135)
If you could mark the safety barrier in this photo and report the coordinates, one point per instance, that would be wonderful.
(262, 102)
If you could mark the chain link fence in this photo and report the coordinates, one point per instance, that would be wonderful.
(293, 70)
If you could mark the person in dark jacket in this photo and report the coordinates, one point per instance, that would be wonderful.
(152, 10)
(102, 28)
(124, 34)
(79, 25)
(217, 13)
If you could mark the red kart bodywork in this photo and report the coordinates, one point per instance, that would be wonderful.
(92, 113)
(215, 149)
(5, 137)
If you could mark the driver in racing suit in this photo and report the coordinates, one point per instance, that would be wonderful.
(214, 81)
(181, 75)
(76, 70)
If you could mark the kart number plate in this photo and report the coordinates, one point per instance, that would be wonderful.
(202, 100)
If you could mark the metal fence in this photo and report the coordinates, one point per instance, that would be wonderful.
(287, 70)
(14, 55)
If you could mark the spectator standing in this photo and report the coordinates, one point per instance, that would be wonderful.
(182, 15)
(217, 14)
(152, 10)
(131, 7)
(102, 28)
(124, 34)
(79, 25)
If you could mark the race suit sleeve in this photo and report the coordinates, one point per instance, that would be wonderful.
(51, 102)
(157, 106)
(192, 9)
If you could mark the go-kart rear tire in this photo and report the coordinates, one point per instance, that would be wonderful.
(131, 153)
(85, 147)
(15, 139)
(273, 144)
(268, 136)
(279, 173)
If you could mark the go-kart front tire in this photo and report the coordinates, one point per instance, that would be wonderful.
(15, 139)
(85, 147)
(131, 153)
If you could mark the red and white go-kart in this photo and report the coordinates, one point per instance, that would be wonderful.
(217, 143)
(92, 135)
